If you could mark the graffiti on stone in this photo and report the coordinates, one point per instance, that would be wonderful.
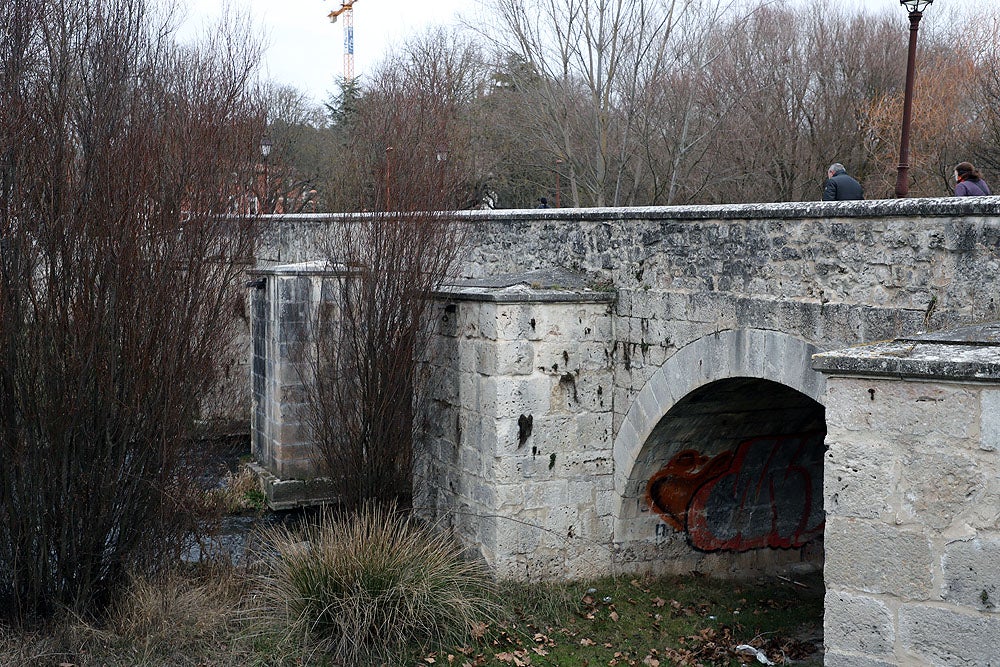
(767, 492)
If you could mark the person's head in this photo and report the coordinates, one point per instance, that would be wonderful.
(543, 201)
(964, 170)
(835, 168)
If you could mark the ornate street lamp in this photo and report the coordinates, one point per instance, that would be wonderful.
(442, 159)
(559, 162)
(388, 173)
(265, 150)
(915, 8)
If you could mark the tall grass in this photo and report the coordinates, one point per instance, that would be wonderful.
(373, 588)
(187, 616)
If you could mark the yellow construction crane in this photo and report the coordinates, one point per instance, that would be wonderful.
(347, 9)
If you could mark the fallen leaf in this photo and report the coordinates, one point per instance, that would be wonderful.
(614, 616)
(587, 642)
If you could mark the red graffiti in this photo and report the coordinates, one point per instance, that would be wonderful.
(768, 492)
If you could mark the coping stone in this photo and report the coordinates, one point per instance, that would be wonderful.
(553, 285)
(970, 353)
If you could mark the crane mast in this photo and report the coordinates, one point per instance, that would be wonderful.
(347, 9)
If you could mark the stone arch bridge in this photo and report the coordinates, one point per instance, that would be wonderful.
(677, 389)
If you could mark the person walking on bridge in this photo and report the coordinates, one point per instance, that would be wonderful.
(839, 186)
(969, 181)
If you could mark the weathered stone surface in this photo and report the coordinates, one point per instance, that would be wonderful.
(858, 624)
(903, 409)
(939, 489)
(874, 557)
(939, 511)
(972, 573)
(837, 659)
(532, 448)
(941, 636)
(859, 477)
(989, 424)
(915, 359)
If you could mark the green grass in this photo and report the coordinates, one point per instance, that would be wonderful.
(663, 621)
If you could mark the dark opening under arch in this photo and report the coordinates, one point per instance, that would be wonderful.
(737, 465)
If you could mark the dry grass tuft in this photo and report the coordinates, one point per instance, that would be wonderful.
(374, 588)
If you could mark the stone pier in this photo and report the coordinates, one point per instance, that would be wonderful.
(912, 497)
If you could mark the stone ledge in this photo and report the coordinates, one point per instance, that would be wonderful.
(523, 294)
(286, 494)
(917, 207)
(555, 285)
(967, 353)
(318, 267)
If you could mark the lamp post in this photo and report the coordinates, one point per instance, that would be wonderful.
(916, 8)
(442, 159)
(558, 165)
(388, 174)
(265, 150)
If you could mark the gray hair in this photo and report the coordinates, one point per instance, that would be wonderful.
(837, 168)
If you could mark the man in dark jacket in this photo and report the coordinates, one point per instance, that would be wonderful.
(839, 186)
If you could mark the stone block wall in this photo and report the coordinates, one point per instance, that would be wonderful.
(514, 450)
(284, 302)
(912, 494)
(831, 274)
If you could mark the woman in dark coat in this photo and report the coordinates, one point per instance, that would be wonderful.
(970, 182)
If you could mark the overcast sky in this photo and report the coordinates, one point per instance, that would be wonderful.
(306, 50)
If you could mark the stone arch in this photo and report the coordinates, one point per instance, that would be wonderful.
(736, 353)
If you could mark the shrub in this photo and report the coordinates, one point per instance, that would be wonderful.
(119, 151)
(372, 588)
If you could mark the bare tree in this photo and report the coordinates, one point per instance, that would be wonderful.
(440, 74)
(366, 377)
(299, 162)
(118, 279)
(589, 62)
(680, 110)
